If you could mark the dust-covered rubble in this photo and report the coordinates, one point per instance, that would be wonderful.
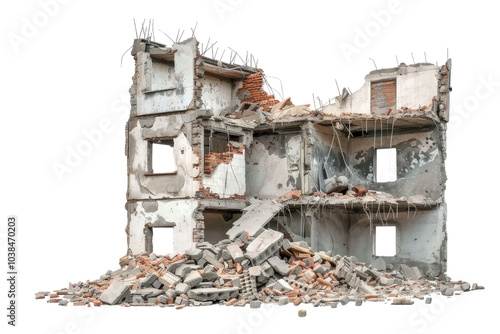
(253, 270)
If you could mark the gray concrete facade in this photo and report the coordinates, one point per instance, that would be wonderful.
(230, 142)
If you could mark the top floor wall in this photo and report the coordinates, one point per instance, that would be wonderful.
(413, 87)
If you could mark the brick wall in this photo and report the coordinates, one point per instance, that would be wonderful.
(253, 84)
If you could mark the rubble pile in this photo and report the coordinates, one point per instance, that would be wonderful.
(254, 270)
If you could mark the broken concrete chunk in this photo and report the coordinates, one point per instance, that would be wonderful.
(209, 276)
(169, 279)
(171, 293)
(136, 299)
(226, 256)
(148, 280)
(182, 288)
(345, 300)
(321, 269)
(184, 269)
(213, 294)
(117, 293)
(282, 285)
(278, 265)
(264, 246)
(174, 265)
(283, 301)
(210, 258)
(410, 272)
(255, 271)
(193, 278)
(236, 253)
(194, 254)
(379, 264)
(255, 304)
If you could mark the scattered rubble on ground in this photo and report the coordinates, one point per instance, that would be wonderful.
(254, 270)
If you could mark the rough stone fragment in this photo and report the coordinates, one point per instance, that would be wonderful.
(148, 280)
(169, 279)
(345, 300)
(194, 254)
(210, 258)
(283, 301)
(193, 278)
(137, 299)
(279, 266)
(255, 271)
(182, 288)
(264, 246)
(410, 272)
(255, 304)
(236, 253)
(213, 293)
(171, 293)
(117, 293)
(379, 264)
(302, 313)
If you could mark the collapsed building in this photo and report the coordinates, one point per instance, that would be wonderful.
(271, 202)
(242, 161)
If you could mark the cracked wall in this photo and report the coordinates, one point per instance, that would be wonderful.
(273, 165)
(166, 86)
(180, 184)
(416, 87)
(420, 163)
(177, 211)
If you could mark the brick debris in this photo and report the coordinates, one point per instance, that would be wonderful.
(253, 270)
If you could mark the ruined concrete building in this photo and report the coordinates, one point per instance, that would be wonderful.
(241, 160)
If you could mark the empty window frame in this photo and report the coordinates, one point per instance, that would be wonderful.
(163, 240)
(383, 96)
(385, 241)
(161, 157)
(217, 142)
(386, 165)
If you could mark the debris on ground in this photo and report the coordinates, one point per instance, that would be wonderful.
(253, 270)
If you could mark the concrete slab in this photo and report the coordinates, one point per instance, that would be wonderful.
(117, 293)
(254, 217)
(213, 293)
(279, 266)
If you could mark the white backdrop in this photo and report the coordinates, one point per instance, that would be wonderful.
(63, 83)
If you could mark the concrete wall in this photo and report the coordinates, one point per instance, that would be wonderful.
(162, 75)
(182, 184)
(227, 180)
(218, 95)
(178, 211)
(153, 75)
(270, 169)
(329, 231)
(421, 239)
(326, 156)
(420, 164)
(421, 236)
(416, 85)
